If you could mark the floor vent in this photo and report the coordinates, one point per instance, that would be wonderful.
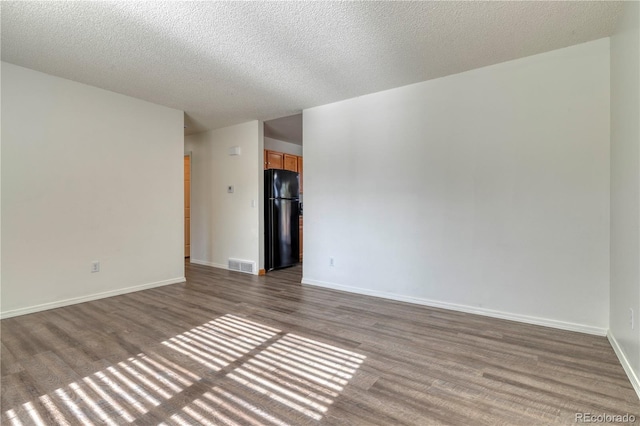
(242, 266)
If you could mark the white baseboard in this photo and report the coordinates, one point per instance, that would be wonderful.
(562, 325)
(207, 263)
(633, 376)
(88, 298)
(218, 265)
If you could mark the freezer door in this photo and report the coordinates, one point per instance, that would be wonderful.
(281, 184)
(282, 236)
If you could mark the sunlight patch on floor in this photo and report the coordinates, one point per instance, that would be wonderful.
(229, 371)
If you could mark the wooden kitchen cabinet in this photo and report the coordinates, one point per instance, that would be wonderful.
(290, 162)
(300, 239)
(274, 160)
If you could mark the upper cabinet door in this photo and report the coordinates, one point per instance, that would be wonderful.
(290, 162)
(275, 160)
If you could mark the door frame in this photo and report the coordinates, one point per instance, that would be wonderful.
(190, 155)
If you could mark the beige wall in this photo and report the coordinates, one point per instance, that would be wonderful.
(486, 191)
(625, 191)
(225, 225)
(282, 146)
(87, 175)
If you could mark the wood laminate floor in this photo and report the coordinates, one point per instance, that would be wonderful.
(230, 348)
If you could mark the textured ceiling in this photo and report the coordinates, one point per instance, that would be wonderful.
(228, 62)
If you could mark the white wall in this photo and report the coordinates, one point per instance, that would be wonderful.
(226, 225)
(87, 175)
(282, 146)
(486, 191)
(625, 191)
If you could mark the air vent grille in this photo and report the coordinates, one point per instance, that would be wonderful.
(242, 266)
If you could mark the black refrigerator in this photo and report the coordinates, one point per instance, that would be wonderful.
(281, 218)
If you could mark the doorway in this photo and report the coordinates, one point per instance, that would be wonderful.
(283, 151)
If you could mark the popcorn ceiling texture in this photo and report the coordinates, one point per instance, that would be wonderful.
(228, 62)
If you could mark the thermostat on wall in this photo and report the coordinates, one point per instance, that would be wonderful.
(234, 150)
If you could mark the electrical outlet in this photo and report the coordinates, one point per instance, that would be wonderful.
(331, 261)
(631, 319)
(95, 266)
